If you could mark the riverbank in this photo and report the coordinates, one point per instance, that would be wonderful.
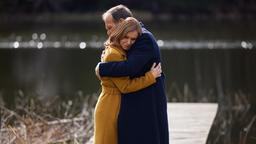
(95, 17)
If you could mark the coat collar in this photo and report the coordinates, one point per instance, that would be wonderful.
(120, 50)
(142, 25)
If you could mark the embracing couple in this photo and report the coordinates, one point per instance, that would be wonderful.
(132, 107)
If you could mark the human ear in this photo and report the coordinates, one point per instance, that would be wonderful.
(120, 20)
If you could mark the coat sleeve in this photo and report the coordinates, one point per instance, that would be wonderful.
(138, 57)
(127, 85)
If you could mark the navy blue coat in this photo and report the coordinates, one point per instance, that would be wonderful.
(143, 114)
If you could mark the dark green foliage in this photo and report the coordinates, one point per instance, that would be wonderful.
(155, 6)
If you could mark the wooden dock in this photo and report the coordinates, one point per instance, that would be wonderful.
(190, 123)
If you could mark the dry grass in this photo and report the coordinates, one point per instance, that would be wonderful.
(35, 126)
(233, 116)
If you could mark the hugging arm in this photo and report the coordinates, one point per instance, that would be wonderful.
(138, 57)
(127, 85)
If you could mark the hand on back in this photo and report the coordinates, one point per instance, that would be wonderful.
(156, 70)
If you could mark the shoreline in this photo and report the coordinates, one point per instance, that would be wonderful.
(95, 17)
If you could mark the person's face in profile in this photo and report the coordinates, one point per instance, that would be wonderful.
(129, 39)
(109, 24)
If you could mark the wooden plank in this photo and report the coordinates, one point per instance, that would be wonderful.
(190, 123)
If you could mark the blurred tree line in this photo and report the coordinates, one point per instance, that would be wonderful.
(187, 7)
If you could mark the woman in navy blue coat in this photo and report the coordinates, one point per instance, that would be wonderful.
(143, 114)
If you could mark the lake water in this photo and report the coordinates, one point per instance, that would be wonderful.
(204, 61)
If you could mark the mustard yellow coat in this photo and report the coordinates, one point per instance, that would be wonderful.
(107, 107)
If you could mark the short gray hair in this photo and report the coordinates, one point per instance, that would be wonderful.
(118, 12)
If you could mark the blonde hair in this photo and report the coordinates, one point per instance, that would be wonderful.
(124, 27)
